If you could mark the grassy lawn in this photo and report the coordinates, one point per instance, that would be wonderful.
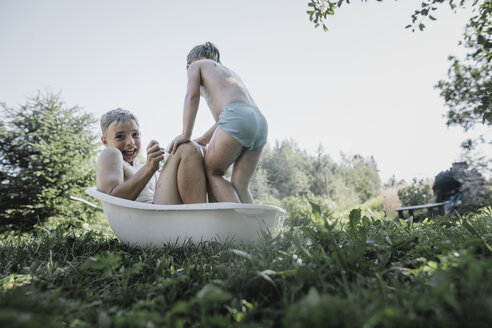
(358, 271)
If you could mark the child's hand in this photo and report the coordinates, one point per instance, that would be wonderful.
(176, 142)
(155, 154)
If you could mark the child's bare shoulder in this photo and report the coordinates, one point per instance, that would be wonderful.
(110, 154)
(205, 62)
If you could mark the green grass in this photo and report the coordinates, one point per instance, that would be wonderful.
(359, 271)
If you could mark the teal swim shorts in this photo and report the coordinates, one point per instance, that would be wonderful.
(245, 123)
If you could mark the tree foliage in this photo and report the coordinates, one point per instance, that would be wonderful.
(362, 174)
(468, 90)
(320, 10)
(287, 171)
(47, 153)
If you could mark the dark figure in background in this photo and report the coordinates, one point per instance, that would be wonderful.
(445, 186)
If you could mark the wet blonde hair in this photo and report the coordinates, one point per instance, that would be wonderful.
(118, 115)
(207, 50)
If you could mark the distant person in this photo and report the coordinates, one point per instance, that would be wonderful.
(240, 131)
(182, 179)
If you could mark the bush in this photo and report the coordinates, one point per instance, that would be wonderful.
(374, 204)
(300, 210)
(417, 193)
(47, 153)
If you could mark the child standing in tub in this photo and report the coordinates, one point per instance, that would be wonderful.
(240, 131)
(182, 179)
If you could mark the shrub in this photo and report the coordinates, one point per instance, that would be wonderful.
(417, 193)
(47, 153)
(300, 210)
(374, 204)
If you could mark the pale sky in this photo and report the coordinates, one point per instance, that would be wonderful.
(364, 87)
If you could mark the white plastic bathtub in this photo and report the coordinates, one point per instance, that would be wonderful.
(150, 225)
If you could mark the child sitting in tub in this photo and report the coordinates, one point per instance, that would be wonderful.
(181, 181)
(241, 130)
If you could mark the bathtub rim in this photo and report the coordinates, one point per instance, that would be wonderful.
(93, 192)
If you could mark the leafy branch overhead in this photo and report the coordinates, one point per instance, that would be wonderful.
(320, 10)
(468, 90)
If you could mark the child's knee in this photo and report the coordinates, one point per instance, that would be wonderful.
(212, 170)
(189, 151)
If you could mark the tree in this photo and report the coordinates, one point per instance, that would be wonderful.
(321, 174)
(468, 91)
(47, 153)
(287, 169)
(259, 186)
(363, 176)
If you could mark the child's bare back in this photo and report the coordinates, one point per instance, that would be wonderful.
(220, 86)
(240, 131)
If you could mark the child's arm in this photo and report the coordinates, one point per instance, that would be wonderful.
(205, 139)
(192, 99)
(110, 175)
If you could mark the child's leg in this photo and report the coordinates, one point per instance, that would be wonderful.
(243, 170)
(182, 180)
(210, 197)
(222, 151)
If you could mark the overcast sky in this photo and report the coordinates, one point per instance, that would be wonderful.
(364, 87)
